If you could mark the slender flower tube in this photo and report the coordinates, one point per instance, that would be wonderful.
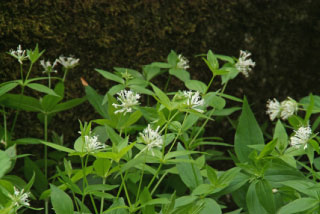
(92, 144)
(183, 62)
(244, 64)
(151, 138)
(19, 54)
(273, 108)
(48, 68)
(193, 100)
(68, 62)
(288, 108)
(301, 137)
(128, 99)
(20, 198)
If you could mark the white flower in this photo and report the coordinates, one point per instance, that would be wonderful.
(288, 108)
(151, 138)
(92, 144)
(19, 198)
(194, 100)
(301, 137)
(19, 54)
(68, 62)
(183, 62)
(245, 65)
(48, 68)
(128, 99)
(273, 108)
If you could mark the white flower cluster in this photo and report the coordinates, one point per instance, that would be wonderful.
(92, 144)
(68, 62)
(301, 137)
(151, 138)
(245, 65)
(48, 67)
(128, 99)
(20, 198)
(183, 62)
(19, 54)
(194, 100)
(285, 109)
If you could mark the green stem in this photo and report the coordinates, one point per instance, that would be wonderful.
(46, 203)
(209, 84)
(167, 83)
(102, 199)
(141, 177)
(5, 125)
(49, 80)
(125, 187)
(29, 71)
(17, 112)
(158, 183)
(65, 74)
(21, 72)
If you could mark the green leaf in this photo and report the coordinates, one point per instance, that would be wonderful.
(58, 147)
(188, 172)
(151, 71)
(172, 58)
(42, 88)
(113, 90)
(61, 202)
(161, 65)
(268, 149)
(145, 197)
(5, 163)
(23, 102)
(212, 59)
(96, 100)
(181, 74)
(298, 205)
(7, 87)
(141, 90)
(67, 105)
(253, 204)
(210, 206)
(306, 102)
(248, 133)
(118, 207)
(162, 97)
(110, 76)
(175, 154)
(214, 101)
(48, 102)
(212, 175)
(134, 117)
(30, 167)
(265, 196)
(102, 166)
(281, 135)
(196, 85)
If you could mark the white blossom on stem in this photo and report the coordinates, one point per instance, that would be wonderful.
(19, 54)
(301, 137)
(48, 67)
(273, 108)
(193, 100)
(92, 144)
(288, 108)
(127, 100)
(183, 62)
(245, 64)
(20, 198)
(151, 138)
(68, 62)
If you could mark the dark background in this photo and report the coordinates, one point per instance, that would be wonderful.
(283, 37)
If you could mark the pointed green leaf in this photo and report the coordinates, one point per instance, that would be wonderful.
(61, 202)
(42, 88)
(110, 76)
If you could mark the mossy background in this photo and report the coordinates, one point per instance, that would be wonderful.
(283, 36)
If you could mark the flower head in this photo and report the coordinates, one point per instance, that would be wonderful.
(48, 68)
(68, 62)
(92, 144)
(193, 100)
(19, 54)
(244, 64)
(288, 108)
(301, 137)
(128, 99)
(183, 62)
(273, 108)
(20, 198)
(151, 138)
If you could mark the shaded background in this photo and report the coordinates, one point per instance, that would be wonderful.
(283, 37)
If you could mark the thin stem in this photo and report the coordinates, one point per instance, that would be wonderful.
(158, 183)
(5, 125)
(209, 84)
(167, 83)
(21, 72)
(29, 71)
(65, 74)
(46, 203)
(102, 199)
(49, 79)
(17, 112)
(141, 177)
(125, 188)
